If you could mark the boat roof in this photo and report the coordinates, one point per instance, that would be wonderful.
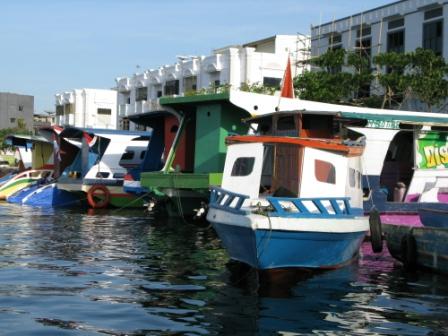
(76, 132)
(380, 115)
(148, 117)
(21, 140)
(351, 148)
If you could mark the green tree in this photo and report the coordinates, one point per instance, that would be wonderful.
(427, 77)
(393, 76)
(328, 83)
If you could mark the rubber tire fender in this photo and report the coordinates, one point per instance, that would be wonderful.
(376, 234)
(103, 203)
(409, 251)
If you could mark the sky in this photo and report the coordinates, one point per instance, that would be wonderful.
(51, 46)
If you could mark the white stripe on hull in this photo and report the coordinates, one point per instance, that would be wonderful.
(255, 221)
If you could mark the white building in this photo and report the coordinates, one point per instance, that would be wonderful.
(87, 108)
(400, 26)
(260, 62)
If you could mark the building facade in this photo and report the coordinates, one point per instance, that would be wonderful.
(44, 120)
(16, 110)
(261, 62)
(401, 26)
(87, 108)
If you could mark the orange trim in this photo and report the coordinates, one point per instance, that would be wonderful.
(326, 144)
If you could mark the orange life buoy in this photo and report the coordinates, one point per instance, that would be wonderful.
(104, 196)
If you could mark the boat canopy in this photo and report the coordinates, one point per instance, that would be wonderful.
(378, 118)
(22, 140)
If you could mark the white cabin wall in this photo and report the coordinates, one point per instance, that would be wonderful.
(377, 144)
(311, 187)
(355, 193)
(246, 185)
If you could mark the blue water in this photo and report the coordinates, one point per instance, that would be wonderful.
(122, 273)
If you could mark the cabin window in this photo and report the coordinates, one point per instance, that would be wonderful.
(142, 155)
(102, 174)
(352, 177)
(128, 155)
(118, 175)
(243, 166)
(325, 172)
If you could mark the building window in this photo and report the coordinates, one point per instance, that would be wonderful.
(243, 166)
(128, 100)
(104, 111)
(395, 41)
(216, 82)
(395, 24)
(12, 120)
(69, 108)
(190, 83)
(272, 82)
(125, 124)
(335, 41)
(172, 87)
(20, 108)
(141, 94)
(325, 172)
(59, 110)
(363, 31)
(159, 93)
(433, 36)
(433, 13)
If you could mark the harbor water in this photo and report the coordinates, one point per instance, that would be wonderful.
(115, 272)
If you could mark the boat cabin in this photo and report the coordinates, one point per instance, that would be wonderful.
(261, 166)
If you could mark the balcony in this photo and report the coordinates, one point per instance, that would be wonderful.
(151, 105)
(123, 110)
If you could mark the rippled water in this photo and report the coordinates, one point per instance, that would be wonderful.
(121, 273)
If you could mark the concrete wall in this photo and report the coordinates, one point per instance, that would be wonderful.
(14, 107)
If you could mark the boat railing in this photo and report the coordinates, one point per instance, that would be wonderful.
(227, 200)
(330, 207)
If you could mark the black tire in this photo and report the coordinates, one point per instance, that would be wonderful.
(376, 234)
(409, 251)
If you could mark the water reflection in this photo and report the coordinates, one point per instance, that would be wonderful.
(121, 272)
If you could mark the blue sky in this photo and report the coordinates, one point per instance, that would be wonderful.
(50, 46)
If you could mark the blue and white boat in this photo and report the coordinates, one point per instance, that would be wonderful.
(290, 202)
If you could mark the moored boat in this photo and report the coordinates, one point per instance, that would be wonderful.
(289, 202)
(418, 247)
(23, 180)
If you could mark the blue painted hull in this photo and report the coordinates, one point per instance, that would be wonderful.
(18, 196)
(270, 249)
(433, 217)
(51, 196)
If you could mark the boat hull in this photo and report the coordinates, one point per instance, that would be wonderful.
(434, 218)
(9, 189)
(51, 196)
(18, 196)
(270, 248)
(431, 250)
